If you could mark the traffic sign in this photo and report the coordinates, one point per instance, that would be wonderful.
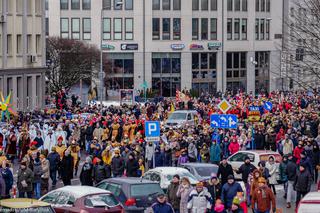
(268, 106)
(152, 130)
(224, 106)
(223, 121)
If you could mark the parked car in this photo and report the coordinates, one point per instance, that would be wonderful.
(202, 171)
(135, 194)
(84, 199)
(164, 175)
(25, 205)
(309, 203)
(237, 159)
(181, 118)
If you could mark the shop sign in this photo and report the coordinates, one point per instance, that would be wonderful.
(196, 47)
(107, 47)
(129, 46)
(214, 45)
(177, 46)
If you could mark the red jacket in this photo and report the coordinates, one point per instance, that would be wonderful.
(234, 147)
(296, 153)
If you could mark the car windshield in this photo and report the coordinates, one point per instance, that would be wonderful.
(183, 174)
(101, 200)
(206, 171)
(47, 209)
(177, 116)
(138, 190)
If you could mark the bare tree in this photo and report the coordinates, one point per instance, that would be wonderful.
(300, 51)
(69, 62)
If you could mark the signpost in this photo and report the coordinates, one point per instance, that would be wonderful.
(223, 121)
(268, 106)
(152, 132)
(224, 106)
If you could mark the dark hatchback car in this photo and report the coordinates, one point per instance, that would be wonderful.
(135, 194)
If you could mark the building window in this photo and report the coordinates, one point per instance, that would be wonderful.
(244, 29)
(156, 4)
(64, 27)
(257, 29)
(257, 6)
(299, 54)
(213, 29)
(195, 29)
(214, 5)
(166, 73)
(195, 4)
(155, 28)
(106, 4)
(9, 44)
(204, 29)
(106, 29)
(166, 29)
(176, 29)
(75, 28)
(244, 5)
(47, 26)
(19, 44)
(86, 28)
(46, 5)
(129, 5)
(118, 4)
(75, 4)
(236, 71)
(262, 70)
(237, 5)
(261, 29)
(204, 4)
(29, 43)
(268, 6)
(19, 5)
(237, 29)
(229, 5)
(166, 4)
(38, 6)
(176, 4)
(262, 4)
(129, 28)
(117, 26)
(86, 4)
(267, 29)
(38, 44)
(229, 29)
(64, 4)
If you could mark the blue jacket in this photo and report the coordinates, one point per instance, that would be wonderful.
(162, 208)
(215, 153)
(159, 159)
(308, 162)
(229, 192)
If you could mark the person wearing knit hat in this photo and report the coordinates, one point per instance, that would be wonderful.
(199, 199)
(262, 198)
(214, 188)
(229, 191)
(117, 164)
(86, 172)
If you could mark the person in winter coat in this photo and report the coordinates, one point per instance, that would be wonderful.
(225, 147)
(234, 146)
(283, 175)
(229, 191)
(297, 152)
(255, 184)
(272, 167)
(306, 161)
(100, 171)
(246, 169)
(159, 158)
(215, 153)
(86, 178)
(316, 161)
(204, 153)
(149, 154)
(7, 177)
(37, 173)
(45, 174)
(224, 170)
(192, 152)
(287, 145)
(214, 188)
(54, 161)
(162, 206)
(183, 158)
(264, 170)
(117, 164)
(66, 168)
(183, 193)
(132, 166)
(173, 199)
(302, 183)
(291, 172)
(199, 199)
(25, 180)
(263, 198)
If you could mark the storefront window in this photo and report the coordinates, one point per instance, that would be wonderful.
(262, 71)
(236, 71)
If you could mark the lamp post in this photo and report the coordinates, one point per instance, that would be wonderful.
(101, 73)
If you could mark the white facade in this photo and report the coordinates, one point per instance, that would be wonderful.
(229, 64)
(22, 52)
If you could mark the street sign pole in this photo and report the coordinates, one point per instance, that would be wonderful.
(152, 132)
(154, 157)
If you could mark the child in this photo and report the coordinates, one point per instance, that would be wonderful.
(219, 207)
(141, 168)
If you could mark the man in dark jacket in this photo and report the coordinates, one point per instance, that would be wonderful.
(172, 193)
(100, 171)
(229, 191)
(246, 169)
(7, 177)
(117, 164)
(224, 170)
(291, 173)
(306, 161)
(54, 161)
(303, 182)
(86, 173)
(25, 180)
(67, 165)
(162, 206)
(132, 166)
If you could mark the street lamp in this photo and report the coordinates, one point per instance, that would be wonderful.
(101, 73)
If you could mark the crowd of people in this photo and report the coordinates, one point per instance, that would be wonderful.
(50, 144)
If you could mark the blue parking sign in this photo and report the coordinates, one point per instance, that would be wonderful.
(152, 130)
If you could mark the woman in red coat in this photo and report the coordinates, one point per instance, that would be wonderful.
(234, 146)
(11, 147)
